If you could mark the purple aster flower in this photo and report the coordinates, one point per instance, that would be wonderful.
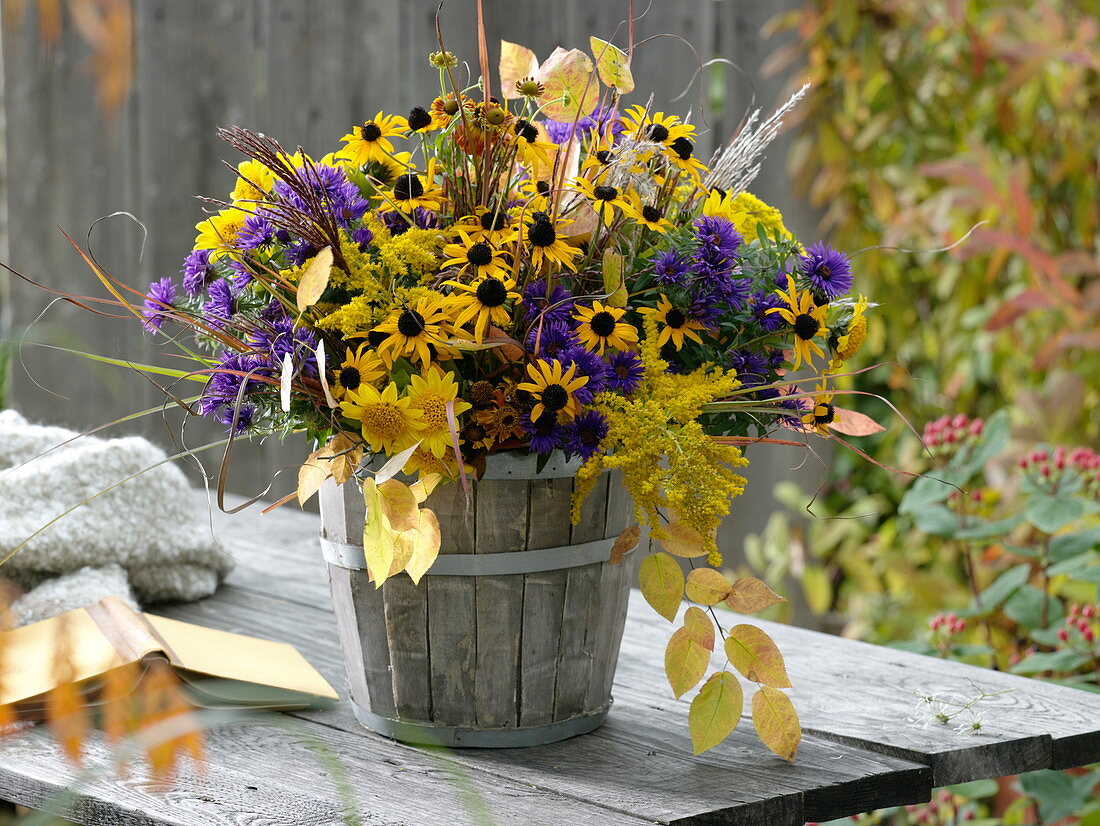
(706, 309)
(257, 232)
(544, 435)
(299, 252)
(775, 358)
(197, 272)
(625, 373)
(224, 414)
(752, 367)
(797, 406)
(585, 433)
(552, 338)
(588, 364)
(560, 131)
(422, 218)
(283, 338)
(362, 237)
(220, 304)
(242, 275)
(341, 196)
(828, 270)
(716, 239)
(559, 307)
(670, 267)
(761, 303)
(225, 385)
(154, 311)
(782, 281)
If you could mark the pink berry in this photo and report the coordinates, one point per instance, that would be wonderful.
(1063, 634)
(976, 427)
(1088, 612)
(960, 420)
(1082, 625)
(1090, 635)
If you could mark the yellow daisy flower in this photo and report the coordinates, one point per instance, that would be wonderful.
(446, 108)
(851, 342)
(478, 257)
(675, 326)
(425, 463)
(430, 393)
(411, 190)
(681, 154)
(606, 200)
(415, 331)
(502, 421)
(807, 320)
(389, 424)
(553, 389)
(254, 181)
(218, 232)
(600, 327)
(647, 215)
(370, 142)
(823, 413)
(654, 126)
(360, 366)
(536, 196)
(540, 234)
(492, 224)
(482, 302)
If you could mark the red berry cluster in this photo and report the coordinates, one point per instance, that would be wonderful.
(948, 623)
(1081, 620)
(947, 434)
(1052, 467)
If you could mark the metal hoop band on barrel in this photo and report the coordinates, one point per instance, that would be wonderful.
(429, 735)
(516, 562)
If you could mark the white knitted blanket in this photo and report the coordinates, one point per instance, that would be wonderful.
(154, 526)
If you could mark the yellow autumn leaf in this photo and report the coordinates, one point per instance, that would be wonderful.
(715, 711)
(312, 474)
(613, 282)
(572, 90)
(399, 504)
(776, 721)
(422, 488)
(818, 589)
(755, 654)
(314, 279)
(687, 654)
(425, 541)
(683, 540)
(378, 537)
(707, 586)
(612, 64)
(749, 595)
(347, 455)
(662, 584)
(516, 63)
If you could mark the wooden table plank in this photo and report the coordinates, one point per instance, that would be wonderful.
(845, 690)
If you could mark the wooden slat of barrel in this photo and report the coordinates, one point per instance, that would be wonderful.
(503, 508)
(543, 602)
(452, 611)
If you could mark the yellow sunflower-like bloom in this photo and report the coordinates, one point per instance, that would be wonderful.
(850, 343)
(502, 419)
(360, 366)
(600, 327)
(430, 393)
(482, 302)
(607, 201)
(807, 320)
(389, 423)
(371, 140)
(447, 107)
(412, 329)
(655, 126)
(492, 224)
(478, 257)
(218, 232)
(412, 190)
(531, 149)
(823, 413)
(540, 237)
(681, 154)
(425, 463)
(254, 181)
(647, 215)
(536, 196)
(553, 389)
(674, 324)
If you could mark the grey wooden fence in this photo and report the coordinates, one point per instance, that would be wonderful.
(301, 71)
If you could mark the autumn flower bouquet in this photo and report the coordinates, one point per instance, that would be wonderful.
(542, 269)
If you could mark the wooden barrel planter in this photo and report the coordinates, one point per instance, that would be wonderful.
(512, 637)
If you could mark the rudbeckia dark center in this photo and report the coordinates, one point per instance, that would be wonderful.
(369, 131)
(526, 131)
(555, 397)
(605, 193)
(541, 234)
(603, 156)
(543, 187)
(603, 323)
(491, 292)
(410, 323)
(675, 318)
(376, 337)
(651, 214)
(493, 220)
(806, 326)
(350, 378)
(507, 419)
(479, 254)
(419, 118)
(824, 413)
(407, 187)
(658, 133)
(481, 394)
(683, 148)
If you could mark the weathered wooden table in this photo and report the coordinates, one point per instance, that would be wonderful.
(859, 751)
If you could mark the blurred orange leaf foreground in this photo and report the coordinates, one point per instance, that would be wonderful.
(144, 676)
